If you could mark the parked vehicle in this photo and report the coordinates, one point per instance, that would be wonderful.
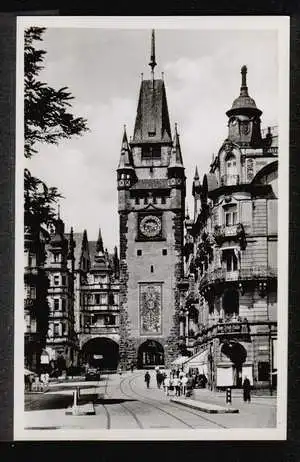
(92, 374)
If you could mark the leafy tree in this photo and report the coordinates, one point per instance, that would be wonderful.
(47, 120)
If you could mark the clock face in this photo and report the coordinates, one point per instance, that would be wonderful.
(150, 226)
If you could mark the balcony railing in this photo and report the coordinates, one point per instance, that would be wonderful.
(101, 308)
(108, 329)
(230, 180)
(234, 329)
(222, 275)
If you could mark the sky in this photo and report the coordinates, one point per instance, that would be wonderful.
(102, 68)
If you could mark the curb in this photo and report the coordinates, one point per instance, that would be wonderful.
(210, 409)
(81, 409)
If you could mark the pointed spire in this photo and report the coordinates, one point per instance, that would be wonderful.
(152, 63)
(126, 155)
(99, 245)
(196, 176)
(244, 88)
(72, 244)
(176, 157)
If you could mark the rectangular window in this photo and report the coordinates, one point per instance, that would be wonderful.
(103, 299)
(164, 251)
(56, 329)
(97, 299)
(263, 371)
(163, 200)
(230, 260)
(154, 200)
(55, 257)
(230, 215)
(56, 304)
(56, 280)
(139, 252)
(146, 200)
(63, 280)
(137, 200)
(63, 304)
(64, 329)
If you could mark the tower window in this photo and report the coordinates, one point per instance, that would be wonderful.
(146, 200)
(163, 200)
(56, 304)
(137, 200)
(139, 252)
(164, 252)
(63, 304)
(97, 299)
(152, 268)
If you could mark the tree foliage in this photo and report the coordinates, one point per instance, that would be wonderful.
(47, 119)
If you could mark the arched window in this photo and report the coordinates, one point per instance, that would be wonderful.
(231, 169)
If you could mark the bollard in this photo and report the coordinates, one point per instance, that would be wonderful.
(228, 396)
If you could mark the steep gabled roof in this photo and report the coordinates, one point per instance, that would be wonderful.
(152, 122)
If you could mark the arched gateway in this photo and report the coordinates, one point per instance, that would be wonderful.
(101, 352)
(150, 353)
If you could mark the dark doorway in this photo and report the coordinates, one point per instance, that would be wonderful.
(231, 302)
(151, 353)
(102, 353)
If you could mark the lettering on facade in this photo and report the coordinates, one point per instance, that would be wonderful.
(150, 308)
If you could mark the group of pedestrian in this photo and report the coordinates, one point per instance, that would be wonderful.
(179, 384)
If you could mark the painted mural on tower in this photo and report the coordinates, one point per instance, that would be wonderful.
(150, 308)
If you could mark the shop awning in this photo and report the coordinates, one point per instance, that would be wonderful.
(180, 360)
(199, 359)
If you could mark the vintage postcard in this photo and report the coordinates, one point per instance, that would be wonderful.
(152, 228)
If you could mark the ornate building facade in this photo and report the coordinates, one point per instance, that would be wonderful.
(229, 301)
(151, 198)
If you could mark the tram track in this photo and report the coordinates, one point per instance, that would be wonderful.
(173, 405)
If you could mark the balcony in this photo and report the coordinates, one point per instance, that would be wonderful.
(100, 330)
(222, 275)
(101, 308)
(234, 329)
(230, 180)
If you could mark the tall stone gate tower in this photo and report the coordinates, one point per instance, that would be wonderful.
(151, 198)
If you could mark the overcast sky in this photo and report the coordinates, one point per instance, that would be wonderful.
(103, 67)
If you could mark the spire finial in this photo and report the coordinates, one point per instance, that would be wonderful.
(244, 88)
(152, 63)
(99, 245)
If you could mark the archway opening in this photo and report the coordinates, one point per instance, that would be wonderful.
(150, 353)
(102, 353)
(231, 302)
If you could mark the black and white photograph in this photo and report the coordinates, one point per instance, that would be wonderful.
(152, 159)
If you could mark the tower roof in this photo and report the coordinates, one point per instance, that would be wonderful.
(126, 160)
(196, 176)
(152, 123)
(176, 157)
(243, 101)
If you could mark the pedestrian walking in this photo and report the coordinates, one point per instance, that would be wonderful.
(177, 384)
(167, 384)
(184, 382)
(247, 390)
(147, 379)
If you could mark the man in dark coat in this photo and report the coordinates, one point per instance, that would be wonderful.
(147, 379)
(247, 390)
